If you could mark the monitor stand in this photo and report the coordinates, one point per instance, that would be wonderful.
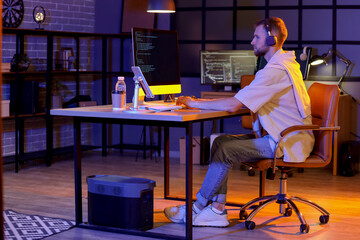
(135, 107)
(169, 98)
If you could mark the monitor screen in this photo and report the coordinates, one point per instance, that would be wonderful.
(225, 67)
(156, 52)
(304, 65)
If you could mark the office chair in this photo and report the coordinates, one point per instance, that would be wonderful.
(246, 121)
(324, 103)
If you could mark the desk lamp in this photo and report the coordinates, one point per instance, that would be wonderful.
(161, 6)
(317, 60)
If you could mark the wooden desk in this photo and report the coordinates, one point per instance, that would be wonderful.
(105, 114)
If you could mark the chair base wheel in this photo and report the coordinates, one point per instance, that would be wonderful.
(324, 218)
(288, 212)
(304, 228)
(250, 225)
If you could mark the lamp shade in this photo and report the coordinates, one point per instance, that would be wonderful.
(317, 60)
(161, 6)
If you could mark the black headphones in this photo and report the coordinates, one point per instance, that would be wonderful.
(270, 39)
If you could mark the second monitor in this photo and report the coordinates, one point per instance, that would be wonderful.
(225, 67)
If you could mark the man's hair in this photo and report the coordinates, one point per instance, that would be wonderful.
(277, 27)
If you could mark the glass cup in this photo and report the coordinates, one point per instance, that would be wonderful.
(118, 100)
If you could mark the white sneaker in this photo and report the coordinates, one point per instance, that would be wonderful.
(208, 218)
(177, 214)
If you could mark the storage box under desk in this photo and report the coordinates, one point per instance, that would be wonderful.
(123, 202)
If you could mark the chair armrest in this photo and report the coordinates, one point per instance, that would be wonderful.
(297, 128)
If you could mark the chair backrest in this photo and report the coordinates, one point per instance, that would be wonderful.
(246, 121)
(324, 104)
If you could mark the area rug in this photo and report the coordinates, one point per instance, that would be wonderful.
(20, 226)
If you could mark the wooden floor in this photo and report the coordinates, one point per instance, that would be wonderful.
(49, 191)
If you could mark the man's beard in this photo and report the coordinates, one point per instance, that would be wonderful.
(261, 51)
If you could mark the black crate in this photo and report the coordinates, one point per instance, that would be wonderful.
(122, 202)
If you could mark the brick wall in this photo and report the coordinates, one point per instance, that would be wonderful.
(65, 15)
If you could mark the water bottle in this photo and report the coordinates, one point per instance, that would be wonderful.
(119, 95)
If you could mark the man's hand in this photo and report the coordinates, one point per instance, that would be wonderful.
(185, 100)
(223, 104)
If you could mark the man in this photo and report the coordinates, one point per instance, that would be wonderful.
(278, 99)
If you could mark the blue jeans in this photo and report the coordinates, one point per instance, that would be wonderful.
(226, 151)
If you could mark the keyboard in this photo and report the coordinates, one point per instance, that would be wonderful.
(160, 107)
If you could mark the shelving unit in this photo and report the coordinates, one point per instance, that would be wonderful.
(48, 77)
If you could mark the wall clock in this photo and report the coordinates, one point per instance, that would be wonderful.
(13, 13)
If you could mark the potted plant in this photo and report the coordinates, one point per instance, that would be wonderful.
(20, 63)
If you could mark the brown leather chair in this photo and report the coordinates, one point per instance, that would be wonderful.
(246, 121)
(324, 103)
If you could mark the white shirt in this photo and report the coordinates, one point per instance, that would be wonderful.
(271, 96)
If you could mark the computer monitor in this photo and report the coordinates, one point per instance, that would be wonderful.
(304, 65)
(225, 67)
(156, 52)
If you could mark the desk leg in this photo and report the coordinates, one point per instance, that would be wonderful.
(189, 180)
(144, 142)
(77, 171)
(221, 125)
(159, 141)
(104, 139)
(202, 147)
(121, 138)
(166, 163)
